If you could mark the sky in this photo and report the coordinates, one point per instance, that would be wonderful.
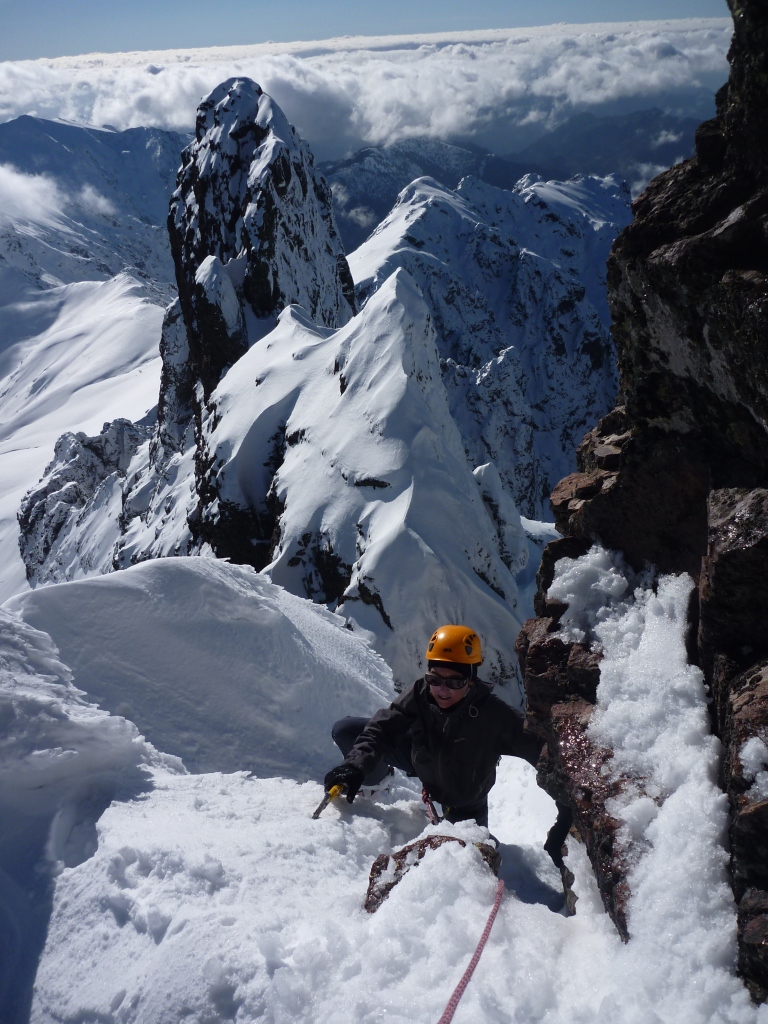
(31, 29)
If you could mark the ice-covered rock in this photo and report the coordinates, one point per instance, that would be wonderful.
(84, 471)
(515, 283)
(251, 222)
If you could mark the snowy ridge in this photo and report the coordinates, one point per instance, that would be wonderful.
(331, 460)
(515, 283)
(340, 454)
(214, 663)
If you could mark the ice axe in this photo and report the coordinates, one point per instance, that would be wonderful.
(332, 793)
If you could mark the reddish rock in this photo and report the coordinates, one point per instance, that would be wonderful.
(570, 769)
(753, 942)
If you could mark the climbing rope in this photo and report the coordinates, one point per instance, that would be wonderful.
(458, 992)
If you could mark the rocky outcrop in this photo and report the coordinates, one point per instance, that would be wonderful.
(251, 228)
(252, 231)
(85, 472)
(675, 475)
(561, 679)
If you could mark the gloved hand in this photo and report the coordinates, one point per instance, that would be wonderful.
(345, 775)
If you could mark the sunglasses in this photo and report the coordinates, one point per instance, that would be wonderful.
(452, 682)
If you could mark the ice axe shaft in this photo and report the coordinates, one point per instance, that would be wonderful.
(434, 817)
(332, 793)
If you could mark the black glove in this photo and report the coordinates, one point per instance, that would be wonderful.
(345, 775)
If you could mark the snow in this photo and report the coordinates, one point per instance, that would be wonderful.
(515, 284)
(216, 897)
(212, 662)
(72, 356)
(85, 268)
(373, 475)
(754, 757)
(652, 712)
(84, 204)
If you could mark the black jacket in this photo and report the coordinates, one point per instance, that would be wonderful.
(454, 752)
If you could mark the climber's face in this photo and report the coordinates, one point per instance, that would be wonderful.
(442, 686)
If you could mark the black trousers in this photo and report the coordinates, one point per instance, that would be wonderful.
(346, 731)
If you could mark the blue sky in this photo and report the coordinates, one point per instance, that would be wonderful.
(51, 28)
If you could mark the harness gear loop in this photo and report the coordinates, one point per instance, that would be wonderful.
(458, 992)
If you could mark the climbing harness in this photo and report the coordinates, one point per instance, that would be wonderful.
(458, 992)
(333, 793)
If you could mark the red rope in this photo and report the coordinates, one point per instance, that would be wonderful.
(458, 992)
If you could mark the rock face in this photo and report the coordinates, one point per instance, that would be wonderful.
(84, 475)
(676, 474)
(251, 228)
(252, 231)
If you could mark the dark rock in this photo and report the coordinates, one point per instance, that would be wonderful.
(251, 221)
(252, 231)
(688, 292)
(81, 465)
(753, 942)
(734, 580)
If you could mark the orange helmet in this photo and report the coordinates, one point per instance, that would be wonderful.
(455, 643)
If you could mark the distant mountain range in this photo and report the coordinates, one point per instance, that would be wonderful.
(635, 146)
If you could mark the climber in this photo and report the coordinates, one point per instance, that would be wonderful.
(449, 730)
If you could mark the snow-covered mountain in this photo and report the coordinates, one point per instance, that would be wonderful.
(85, 267)
(84, 204)
(366, 185)
(515, 283)
(327, 457)
(372, 465)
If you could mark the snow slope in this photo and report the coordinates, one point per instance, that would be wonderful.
(70, 356)
(216, 897)
(515, 283)
(213, 663)
(332, 460)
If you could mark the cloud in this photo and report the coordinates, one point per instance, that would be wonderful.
(494, 86)
(91, 200)
(32, 199)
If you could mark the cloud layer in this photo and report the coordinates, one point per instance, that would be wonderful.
(498, 87)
